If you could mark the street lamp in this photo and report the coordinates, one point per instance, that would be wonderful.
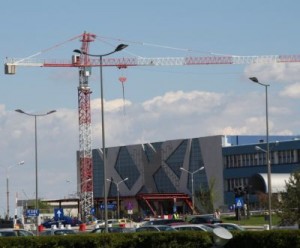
(7, 186)
(255, 80)
(36, 155)
(192, 175)
(100, 56)
(118, 192)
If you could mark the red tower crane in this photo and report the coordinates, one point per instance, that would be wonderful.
(83, 62)
(85, 139)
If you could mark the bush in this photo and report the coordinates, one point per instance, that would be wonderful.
(188, 239)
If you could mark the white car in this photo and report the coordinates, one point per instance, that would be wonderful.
(110, 222)
(230, 226)
(192, 227)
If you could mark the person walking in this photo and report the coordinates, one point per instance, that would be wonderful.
(175, 216)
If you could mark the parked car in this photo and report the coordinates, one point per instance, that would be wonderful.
(110, 222)
(58, 232)
(64, 221)
(10, 232)
(211, 226)
(201, 219)
(128, 223)
(231, 226)
(162, 222)
(113, 229)
(155, 228)
(192, 227)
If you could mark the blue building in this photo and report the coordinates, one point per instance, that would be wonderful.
(161, 175)
(245, 166)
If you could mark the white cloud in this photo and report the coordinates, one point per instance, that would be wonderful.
(292, 91)
(183, 102)
(277, 72)
(176, 114)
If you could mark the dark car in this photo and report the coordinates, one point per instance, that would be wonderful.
(162, 222)
(10, 232)
(113, 229)
(58, 232)
(64, 221)
(202, 219)
(156, 228)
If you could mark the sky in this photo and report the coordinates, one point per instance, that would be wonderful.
(160, 103)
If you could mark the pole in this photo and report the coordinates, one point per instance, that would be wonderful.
(103, 145)
(117, 49)
(118, 193)
(193, 195)
(118, 203)
(36, 173)
(36, 158)
(7, 195)
(268, 161)
(192, 180)
(7, 187)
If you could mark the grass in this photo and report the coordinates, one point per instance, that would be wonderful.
(254, 220)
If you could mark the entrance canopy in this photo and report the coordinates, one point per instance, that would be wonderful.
(259, 182)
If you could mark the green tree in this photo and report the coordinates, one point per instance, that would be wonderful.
(205, 196)
(289, 207)
(44, 207)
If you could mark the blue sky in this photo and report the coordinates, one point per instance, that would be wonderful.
(161, 102)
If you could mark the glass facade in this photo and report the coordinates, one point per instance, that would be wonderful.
(155, 167)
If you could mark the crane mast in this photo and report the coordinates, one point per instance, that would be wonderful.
(85, 142)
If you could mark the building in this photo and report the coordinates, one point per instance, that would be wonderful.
(157, 185)
(246, 167)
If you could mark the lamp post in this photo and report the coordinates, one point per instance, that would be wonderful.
(118, 192)
(7, 186)
(36, 155)
(100, 56)
(192, 175)
(267, 151)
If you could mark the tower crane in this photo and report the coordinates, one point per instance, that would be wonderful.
(83, 62)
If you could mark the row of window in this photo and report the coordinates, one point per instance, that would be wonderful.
(260, 158)
(232, 183)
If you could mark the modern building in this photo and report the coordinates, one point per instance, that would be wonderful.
(161, 176)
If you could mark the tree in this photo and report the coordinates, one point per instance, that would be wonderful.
(206, 197)
(289, 207)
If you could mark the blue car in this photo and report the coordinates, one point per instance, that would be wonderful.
(63, 221)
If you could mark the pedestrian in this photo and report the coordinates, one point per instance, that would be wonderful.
(217, 214)
(175, 216)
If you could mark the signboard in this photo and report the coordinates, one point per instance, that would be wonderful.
(58, 213)
(239, 202)
(32, 212)
(110, 206)
(92, 211)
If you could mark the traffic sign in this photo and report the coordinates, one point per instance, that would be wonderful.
(58, 213)
(32, 212)
(239, 202)
(92, 211)
(129, 206)
(110, 206)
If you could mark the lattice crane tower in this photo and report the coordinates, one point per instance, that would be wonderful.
(85, 137)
